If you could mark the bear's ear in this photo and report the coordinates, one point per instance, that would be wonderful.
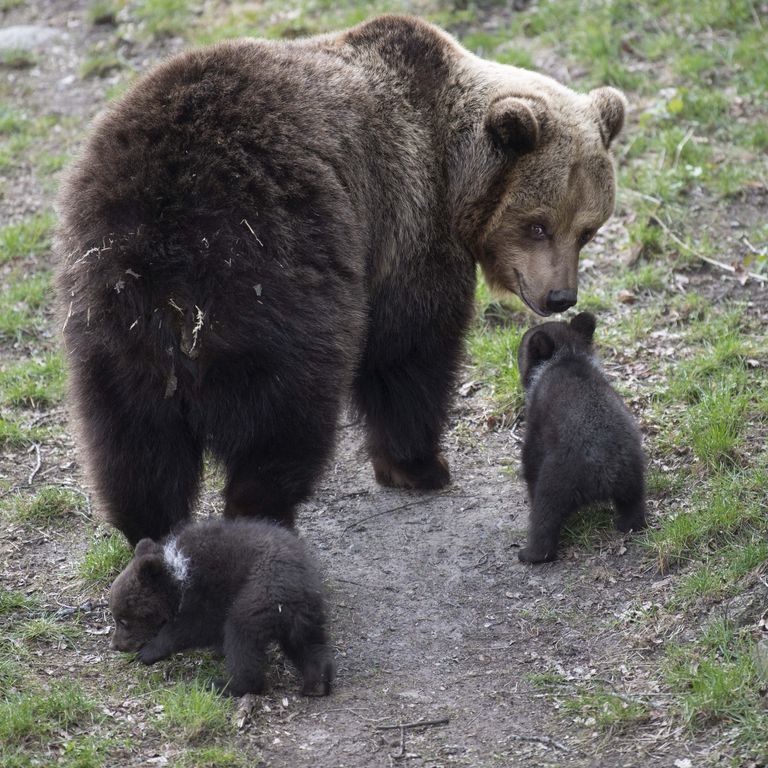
(151, 570)
(584, 324)
(611, 106)
(540, 347)
(513, 126)
(146, 547)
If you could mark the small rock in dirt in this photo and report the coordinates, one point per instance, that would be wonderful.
(27, 37)
(627, 297)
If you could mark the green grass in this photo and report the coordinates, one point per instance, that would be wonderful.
(104, 11)
(196, 713)
(12, 602)
(46, 630)
(24, 300)
(105, 558)
(161, 18)
(33, 384)
(33, 717)
(717, 680)
(51, 504)
(16, 58)
(100, 63)
(30, 237)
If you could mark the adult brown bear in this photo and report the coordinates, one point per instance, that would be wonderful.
(256, 229)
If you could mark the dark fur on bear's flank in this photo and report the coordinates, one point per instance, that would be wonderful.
(235, 586)
(582, 444)
(258, 229)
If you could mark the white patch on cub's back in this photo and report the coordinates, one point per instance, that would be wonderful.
(176, 560)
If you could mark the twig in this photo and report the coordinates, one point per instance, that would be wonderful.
(417, 724)
(36, 448)
(681, 146)
(398, 508)
(713, 262)
(540, 740)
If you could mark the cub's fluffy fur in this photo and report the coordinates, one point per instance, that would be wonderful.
(258, 229)
(232, 585)
(581, 442)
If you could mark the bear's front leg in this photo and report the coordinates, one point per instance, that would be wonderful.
(159, 647)
(405, 404)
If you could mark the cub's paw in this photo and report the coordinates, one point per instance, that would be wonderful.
(635, 524)
(529, 555)
(421, 474)
(318, 676)
(149, 655)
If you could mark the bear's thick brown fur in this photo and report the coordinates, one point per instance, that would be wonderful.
(257, 228)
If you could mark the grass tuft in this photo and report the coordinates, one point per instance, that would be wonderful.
(49, 505)
(105, 558)
(199, 714)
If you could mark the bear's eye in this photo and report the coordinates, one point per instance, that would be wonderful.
(537, 231)
(586, 236)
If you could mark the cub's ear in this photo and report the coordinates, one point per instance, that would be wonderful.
(513, 126)
(611, 106)
(540, 347)
(584, 324)
(151, 570)
(145, 547)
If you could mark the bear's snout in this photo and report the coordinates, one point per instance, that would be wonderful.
(559, 301)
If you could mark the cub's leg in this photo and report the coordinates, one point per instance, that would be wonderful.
(142, 457)
(552, 500)
(245, 641)
(304, 642)
(405, 405)
(630, 506)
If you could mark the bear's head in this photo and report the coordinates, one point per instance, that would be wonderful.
(543, 342)
(143, 598)
(544, 182)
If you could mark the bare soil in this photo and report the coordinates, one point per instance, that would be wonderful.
(433, 618)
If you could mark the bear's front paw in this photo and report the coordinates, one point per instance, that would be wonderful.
(420, 474)
(627, 524)
(529, 555)
(149, 654)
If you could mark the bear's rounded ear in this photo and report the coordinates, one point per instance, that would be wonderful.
(145, 547)
(151, 569)
(513, 126)
(540, 347)
(584, 324)
(611, 106)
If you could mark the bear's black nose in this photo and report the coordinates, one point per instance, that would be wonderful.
(559, 301)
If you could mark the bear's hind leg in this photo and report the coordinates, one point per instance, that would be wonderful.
(142, 457)
(304, 642)
(630, 509)
(405, 405)
(552, 500)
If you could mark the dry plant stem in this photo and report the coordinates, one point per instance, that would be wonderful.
(36, 448)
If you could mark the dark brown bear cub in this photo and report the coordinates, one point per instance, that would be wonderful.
(582, 444)
(235, 586)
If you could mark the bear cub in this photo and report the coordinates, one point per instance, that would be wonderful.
(232, 585)
(582, 444)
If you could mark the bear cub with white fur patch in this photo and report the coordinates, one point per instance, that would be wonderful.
(582, 444)
(235, 586)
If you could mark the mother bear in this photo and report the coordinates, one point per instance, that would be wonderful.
(257, 229)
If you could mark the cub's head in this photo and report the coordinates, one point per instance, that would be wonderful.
(543, 342)
(143, 597)
(550, 183)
